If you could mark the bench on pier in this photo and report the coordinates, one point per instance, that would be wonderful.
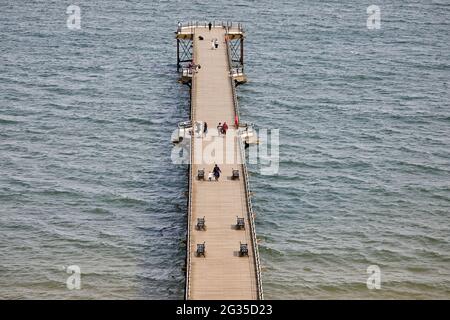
(201, 249)
(201, 174)
(243, 250)
(201, 224)
(235, 174)
(240, 223)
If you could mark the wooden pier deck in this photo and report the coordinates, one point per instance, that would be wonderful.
(221, 273)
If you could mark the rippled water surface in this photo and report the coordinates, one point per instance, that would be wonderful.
(364, 118)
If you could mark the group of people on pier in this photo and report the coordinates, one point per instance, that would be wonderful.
(222, 128)
(214, 44)
(201, 128)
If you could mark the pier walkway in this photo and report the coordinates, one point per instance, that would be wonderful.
(223, 272)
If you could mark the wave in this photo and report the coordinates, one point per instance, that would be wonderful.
(8, 121)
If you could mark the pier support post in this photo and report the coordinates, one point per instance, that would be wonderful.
(242, 52)
(178, 55)
(184, 52)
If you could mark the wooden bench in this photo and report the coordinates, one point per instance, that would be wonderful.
(235, 174)
(201, 224)
(243, 250)
(240, 223)
(201, 174)
(201, 249)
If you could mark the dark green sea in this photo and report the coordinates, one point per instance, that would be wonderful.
(364, 117)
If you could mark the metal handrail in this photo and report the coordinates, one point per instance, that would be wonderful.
(228, 25)
(246, 181)
(188, 241)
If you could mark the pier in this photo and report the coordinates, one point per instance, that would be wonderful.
(222, 260)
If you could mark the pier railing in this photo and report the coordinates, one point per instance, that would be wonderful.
(246, 181)
(224, 24)
(188, 240)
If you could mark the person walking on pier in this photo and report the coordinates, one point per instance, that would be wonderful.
(194, 67)
(205, 129)
(210, 26)
(219, 128)
(213, 46)
(217, 172)
(216, 43)
(198, 129)
(224, 128)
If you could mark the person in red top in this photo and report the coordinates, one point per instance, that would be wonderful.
(224, 128)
